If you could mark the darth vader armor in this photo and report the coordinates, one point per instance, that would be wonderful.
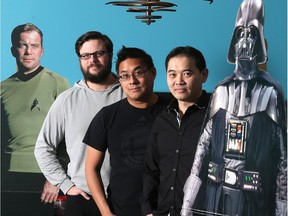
(244, 137)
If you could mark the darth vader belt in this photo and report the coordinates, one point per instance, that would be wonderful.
(245, 180)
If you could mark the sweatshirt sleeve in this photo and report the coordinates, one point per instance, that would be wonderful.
(50, 136)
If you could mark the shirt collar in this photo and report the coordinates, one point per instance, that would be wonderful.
(201, 103)
(25, 77)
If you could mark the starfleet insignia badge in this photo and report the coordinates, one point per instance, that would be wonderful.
(34, 104)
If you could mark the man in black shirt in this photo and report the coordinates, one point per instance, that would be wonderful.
(175, 133)
(123, 128)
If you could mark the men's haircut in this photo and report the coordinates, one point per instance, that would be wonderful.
(94, 35)
(27, 27)
(189, 52)
(134, 53)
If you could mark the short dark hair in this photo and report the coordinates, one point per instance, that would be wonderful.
(135, 53)
(189, 52)
(94, 35)
(27, 27)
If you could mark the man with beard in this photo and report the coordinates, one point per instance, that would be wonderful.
(69, 118)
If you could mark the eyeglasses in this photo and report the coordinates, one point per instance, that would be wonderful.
(137, 74)
(97, 54)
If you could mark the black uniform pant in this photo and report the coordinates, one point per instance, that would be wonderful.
(20, 195)
(79, 206)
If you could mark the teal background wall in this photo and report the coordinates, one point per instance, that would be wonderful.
(208, 27)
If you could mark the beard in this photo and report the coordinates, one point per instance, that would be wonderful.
(99, 77)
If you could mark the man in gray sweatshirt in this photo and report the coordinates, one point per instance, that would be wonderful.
(69, 118)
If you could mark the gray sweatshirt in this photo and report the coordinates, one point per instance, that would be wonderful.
(69, 118)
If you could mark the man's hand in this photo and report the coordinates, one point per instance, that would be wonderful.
(76, 191)
(49, 193)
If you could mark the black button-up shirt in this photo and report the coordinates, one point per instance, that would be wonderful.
(170, 154)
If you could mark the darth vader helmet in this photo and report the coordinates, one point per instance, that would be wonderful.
(248, 38)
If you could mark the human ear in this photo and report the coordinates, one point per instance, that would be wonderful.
(14, 51)
(204, 74)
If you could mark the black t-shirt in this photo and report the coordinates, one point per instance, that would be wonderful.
(124, 130)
